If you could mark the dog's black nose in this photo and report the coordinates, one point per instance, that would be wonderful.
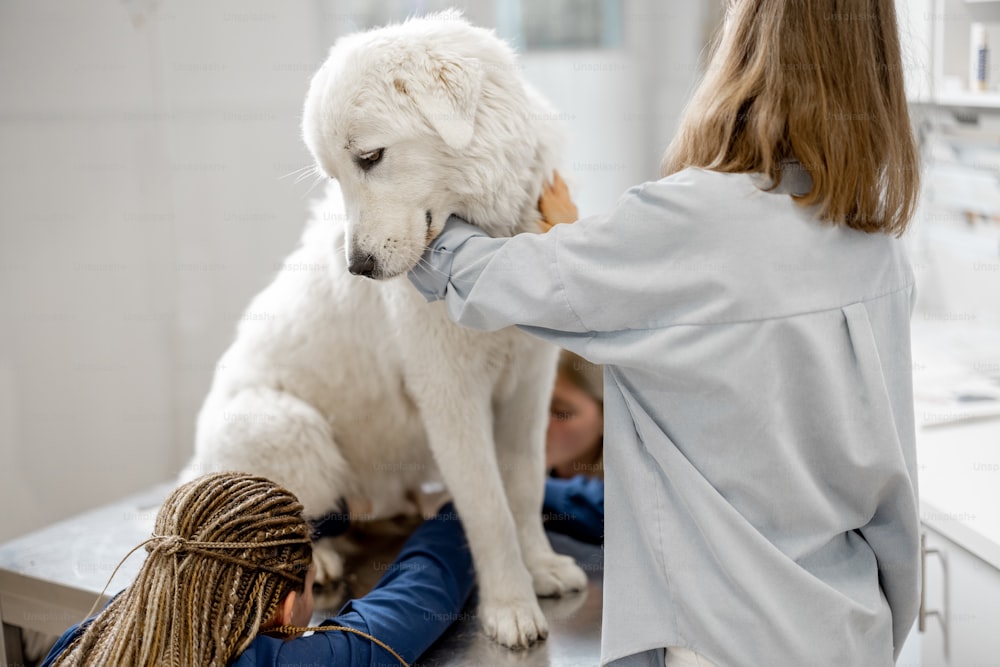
(362, 265)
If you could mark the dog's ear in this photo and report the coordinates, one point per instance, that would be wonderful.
(446, 91)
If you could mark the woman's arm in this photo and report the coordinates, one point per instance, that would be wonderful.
(485, 288)
(420, 595)
(628, 269)
(423, 591)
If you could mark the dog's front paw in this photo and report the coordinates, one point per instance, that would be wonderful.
(513, 623)
(329, 563)
(554, 574)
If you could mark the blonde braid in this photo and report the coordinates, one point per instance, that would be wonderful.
(227, 548)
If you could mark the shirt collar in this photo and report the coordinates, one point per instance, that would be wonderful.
(795, 180)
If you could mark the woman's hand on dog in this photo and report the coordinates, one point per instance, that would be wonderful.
(555, 204)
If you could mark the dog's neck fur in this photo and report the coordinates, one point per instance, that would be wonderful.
(511, 204)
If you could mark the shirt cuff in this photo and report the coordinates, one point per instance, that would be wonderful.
(431, 274)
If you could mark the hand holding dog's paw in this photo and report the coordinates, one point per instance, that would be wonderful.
(555, 204)
(555, 574)
(513, 623)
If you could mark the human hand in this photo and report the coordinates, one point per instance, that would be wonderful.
(555, 204)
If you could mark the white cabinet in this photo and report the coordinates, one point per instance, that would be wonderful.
(962, 600)
(958, 466)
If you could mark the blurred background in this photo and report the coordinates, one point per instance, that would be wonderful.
(146, 153)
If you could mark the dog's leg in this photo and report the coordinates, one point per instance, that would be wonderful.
(274, 434)
(458, 421)
(519, 425)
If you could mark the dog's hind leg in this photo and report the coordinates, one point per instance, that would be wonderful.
(271, 433)
(519, 427)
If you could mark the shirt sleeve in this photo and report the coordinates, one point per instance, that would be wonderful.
(416, 600)
(64, 641)
(628, 269)
(484, 288)
(575, 507)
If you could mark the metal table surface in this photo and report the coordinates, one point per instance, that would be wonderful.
(49, 580)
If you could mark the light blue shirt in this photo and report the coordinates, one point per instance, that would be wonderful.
(761, 486)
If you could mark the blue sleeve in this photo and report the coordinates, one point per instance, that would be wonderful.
(575, 507)
(64, 641)
(421, 594)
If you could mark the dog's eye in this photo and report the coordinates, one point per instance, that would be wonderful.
(368, 160)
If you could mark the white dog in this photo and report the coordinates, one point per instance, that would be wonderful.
(342, 386)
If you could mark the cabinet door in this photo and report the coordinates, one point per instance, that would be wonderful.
(964, 590)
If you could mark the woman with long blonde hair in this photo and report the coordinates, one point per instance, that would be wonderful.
(751, 310)
(228, 581)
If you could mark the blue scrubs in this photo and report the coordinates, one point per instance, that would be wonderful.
(421, 594)
(575, 507)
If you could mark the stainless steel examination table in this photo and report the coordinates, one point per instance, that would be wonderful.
(49, 579)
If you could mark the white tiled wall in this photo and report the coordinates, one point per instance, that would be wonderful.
(141, 206)
(142, 149)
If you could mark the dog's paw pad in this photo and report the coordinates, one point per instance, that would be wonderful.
(515, 624)
(556, 575)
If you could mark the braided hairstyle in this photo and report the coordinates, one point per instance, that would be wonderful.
(227, 548)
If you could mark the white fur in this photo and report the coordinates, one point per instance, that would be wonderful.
(339, 385)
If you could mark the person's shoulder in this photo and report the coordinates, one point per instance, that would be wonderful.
(263, 650)
(695, 185)
(317, 648)
(698, 179)
(685, 199)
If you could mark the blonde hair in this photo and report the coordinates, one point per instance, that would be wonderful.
(585, 375)
(588, 377)
(817, 81)
(227, 548)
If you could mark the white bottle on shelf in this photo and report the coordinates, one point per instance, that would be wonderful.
(980, 59)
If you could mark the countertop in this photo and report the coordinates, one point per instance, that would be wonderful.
(959, 477)
(958, 439)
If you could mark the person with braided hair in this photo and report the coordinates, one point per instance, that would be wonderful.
(228, 581)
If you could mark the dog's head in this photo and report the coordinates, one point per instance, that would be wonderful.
(419, 121)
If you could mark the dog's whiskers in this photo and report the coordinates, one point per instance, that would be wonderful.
(300, 173)
(319, 178)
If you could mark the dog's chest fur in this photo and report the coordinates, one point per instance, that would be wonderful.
(399, 346)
